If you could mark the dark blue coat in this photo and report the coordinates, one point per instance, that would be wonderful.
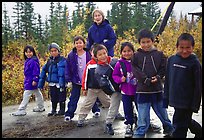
(102, 34)
(31, 72)
(71, 67)
(183, 82)
(55, 68)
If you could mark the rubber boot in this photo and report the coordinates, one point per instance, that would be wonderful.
(53, 112)
(62, 109)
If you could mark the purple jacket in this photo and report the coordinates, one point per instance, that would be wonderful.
(71, 66)
(129, 87)
(31, 72)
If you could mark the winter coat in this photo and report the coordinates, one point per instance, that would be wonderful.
(146, 64)
(88, 80)
(55, 68)
(31, 72)
(71, 67)
(107, 69)
(183, 82)
(102, 34)
(130, 85)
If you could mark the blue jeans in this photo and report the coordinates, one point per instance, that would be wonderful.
(73, 101)
(144, 117)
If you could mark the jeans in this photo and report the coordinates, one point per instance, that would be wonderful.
(73, 101)
(144, 117)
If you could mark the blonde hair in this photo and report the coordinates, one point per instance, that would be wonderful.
(99, 11)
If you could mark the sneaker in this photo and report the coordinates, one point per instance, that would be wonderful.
(168, 132)
(119, 117)
(128, 131)
(38, 109)
(154, 128)
(19, 113)
(52, 114)
(67, 119)
(60, 113)
(80, 123)
(96, 114)
(109, 129)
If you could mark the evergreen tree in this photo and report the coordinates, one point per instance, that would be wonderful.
(90, 6)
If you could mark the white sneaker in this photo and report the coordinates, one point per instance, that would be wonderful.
(38, 109)
(19, 113)
(97, 114)
(67, 119)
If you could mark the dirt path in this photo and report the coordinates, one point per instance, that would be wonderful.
(38, 125)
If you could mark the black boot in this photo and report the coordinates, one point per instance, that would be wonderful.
(62, 109)
(53, 112)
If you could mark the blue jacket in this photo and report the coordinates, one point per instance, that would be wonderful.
(71, 67)
(102, 34)
(183, 82)
(55, 68)
(31, 72)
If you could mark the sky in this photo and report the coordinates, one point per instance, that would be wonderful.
(43, 7)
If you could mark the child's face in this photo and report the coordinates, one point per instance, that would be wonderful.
(185, 48)
(98, 18)
(54, 52)
(29, 53)
(102, 55)
(79, 44)
(127, 52)
(146, 44)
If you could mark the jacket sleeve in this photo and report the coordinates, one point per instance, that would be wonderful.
(67, 70)
(42, 77)
(36, 71)
(116, 75)
(84, 78)
(111, 41)
(197, 71)
(90, 42)
(166, 85)
(162, 67)
(137, 72)
(61, 71)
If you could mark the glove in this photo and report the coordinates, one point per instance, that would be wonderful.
(69, 84)
(61, 89)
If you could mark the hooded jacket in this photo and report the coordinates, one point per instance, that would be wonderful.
(71, 67)
(130, 85)
(183, 82)
(31, 72)
(102, 34)
(146, 64)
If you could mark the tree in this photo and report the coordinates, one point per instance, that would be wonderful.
(90, 6)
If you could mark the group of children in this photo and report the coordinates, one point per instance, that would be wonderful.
(89, 68)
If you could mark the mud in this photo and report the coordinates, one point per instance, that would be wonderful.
(39, 125)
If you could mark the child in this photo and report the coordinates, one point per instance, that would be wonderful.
(31, 74)
(148, 66)
(128, 84)
(55, 69)
(91, 89)
(101, 32)
(76, 62)
(183, 87)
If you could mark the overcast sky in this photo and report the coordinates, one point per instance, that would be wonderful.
(42, 8)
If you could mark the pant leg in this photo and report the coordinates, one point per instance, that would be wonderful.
(114, 106)
(196, 129)
(104, 98)
(87, 104)
(73, 100)
(128, 108)
(39, 98)
(162, 115)
(62, 95)
(181, 122)
(95, 108)
(54, 94)
(26, 98)
(143, 121)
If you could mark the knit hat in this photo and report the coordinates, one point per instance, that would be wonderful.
(54, 45)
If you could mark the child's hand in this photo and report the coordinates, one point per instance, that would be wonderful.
(34, 83)
(154, 79)
(84, 92)
(123, 79)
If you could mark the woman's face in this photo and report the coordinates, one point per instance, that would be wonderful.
(98, 18)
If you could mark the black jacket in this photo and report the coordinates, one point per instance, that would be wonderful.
(146, 64)
(183, 82)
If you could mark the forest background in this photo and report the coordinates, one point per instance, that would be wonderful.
(127, 18)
